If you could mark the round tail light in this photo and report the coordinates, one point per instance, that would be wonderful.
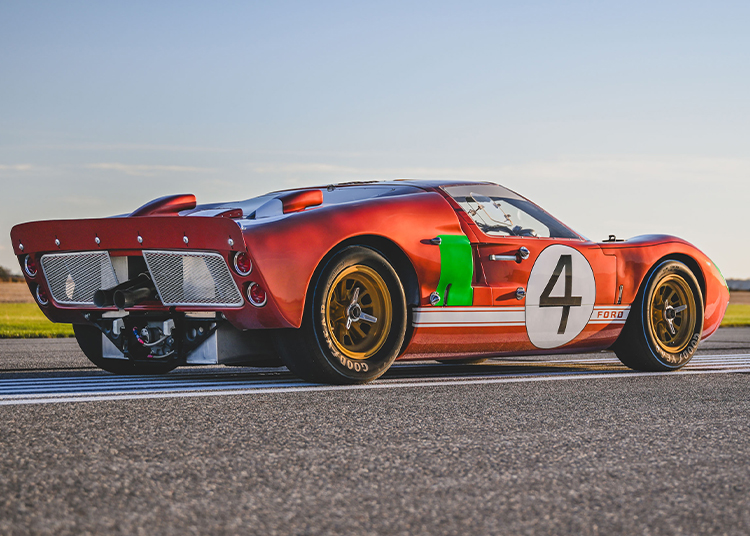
(29, 265)
(242, 263)
(256, 295)
(41, 296)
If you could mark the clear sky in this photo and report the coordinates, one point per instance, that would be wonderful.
(618, 117)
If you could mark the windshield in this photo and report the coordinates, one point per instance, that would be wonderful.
(498, 211)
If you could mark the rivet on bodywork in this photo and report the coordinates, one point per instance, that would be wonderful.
(97, 240)
(20, 246)
(140, 239)
(185, 239)
(57, 242)
(230, 242)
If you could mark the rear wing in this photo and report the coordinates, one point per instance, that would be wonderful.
(128, 234)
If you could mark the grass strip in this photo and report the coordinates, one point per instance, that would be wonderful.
(738, 314)
(25, 320)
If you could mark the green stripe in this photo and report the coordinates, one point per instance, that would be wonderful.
(456, 270)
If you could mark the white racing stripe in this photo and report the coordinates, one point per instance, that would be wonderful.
(459, 317)
(80, 388)
(440, 317)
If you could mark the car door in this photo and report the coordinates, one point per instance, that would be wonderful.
(535, 286)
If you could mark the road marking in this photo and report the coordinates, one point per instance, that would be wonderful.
(78, 388)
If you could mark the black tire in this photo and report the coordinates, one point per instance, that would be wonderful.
(650, 341)
(90, 340)
(322, 350)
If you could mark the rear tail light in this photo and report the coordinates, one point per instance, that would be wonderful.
(41, 296)
(256, 294)
(29, 265)
(242, 263)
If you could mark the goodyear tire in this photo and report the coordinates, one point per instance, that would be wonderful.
(354, 322)
(666, 321)
(90, 341)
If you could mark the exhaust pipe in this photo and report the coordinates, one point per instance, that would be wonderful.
(126, 294)
(135, 294)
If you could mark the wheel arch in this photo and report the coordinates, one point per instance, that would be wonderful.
(637, 346)
(688, 261)
(385, 247)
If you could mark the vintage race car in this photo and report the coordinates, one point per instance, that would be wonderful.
(337, 282)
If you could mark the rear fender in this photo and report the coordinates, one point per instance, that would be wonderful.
(291, 251)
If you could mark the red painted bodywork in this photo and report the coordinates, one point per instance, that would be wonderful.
(169, 205)
(299, 201)
(287, 250)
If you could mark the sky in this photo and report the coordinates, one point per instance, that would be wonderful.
(619, 118)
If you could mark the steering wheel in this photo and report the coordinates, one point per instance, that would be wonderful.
(520, 231)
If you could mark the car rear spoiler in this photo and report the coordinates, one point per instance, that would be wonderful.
(129, 233)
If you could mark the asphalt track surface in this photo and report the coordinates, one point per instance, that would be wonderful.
(564, 445)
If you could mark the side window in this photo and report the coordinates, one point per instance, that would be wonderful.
(498, 211)
(501, 217)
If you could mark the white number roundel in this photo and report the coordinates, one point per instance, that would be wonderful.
(559, 297)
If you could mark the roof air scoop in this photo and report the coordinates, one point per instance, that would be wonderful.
(299, 201)
(166, 206)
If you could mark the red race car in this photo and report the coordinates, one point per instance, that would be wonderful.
(337, 282)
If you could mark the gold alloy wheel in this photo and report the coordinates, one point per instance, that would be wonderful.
(358, 312)
(673, 314)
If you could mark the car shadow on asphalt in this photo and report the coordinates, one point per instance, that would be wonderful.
(399, 371)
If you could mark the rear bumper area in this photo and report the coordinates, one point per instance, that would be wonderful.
(188, 261)
(180, 278)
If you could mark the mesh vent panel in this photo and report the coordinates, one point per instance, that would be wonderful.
(73, 278)
(192, 279)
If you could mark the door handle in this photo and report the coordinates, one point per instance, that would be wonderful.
(521, 255)
(503, 258)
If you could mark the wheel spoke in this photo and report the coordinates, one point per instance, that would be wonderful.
(338, 293)
(337, 312)
(357, 329)
(661, 331)
(341, 332)
(667, 294)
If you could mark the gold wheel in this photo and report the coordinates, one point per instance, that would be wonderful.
(673, 314)
(358, 312)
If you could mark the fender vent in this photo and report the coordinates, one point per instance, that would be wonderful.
(73, 278)
(192, 278)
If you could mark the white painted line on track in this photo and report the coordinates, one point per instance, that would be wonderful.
(25, 391)
(315, 388)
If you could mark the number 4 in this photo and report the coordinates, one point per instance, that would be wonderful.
(568, 300)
